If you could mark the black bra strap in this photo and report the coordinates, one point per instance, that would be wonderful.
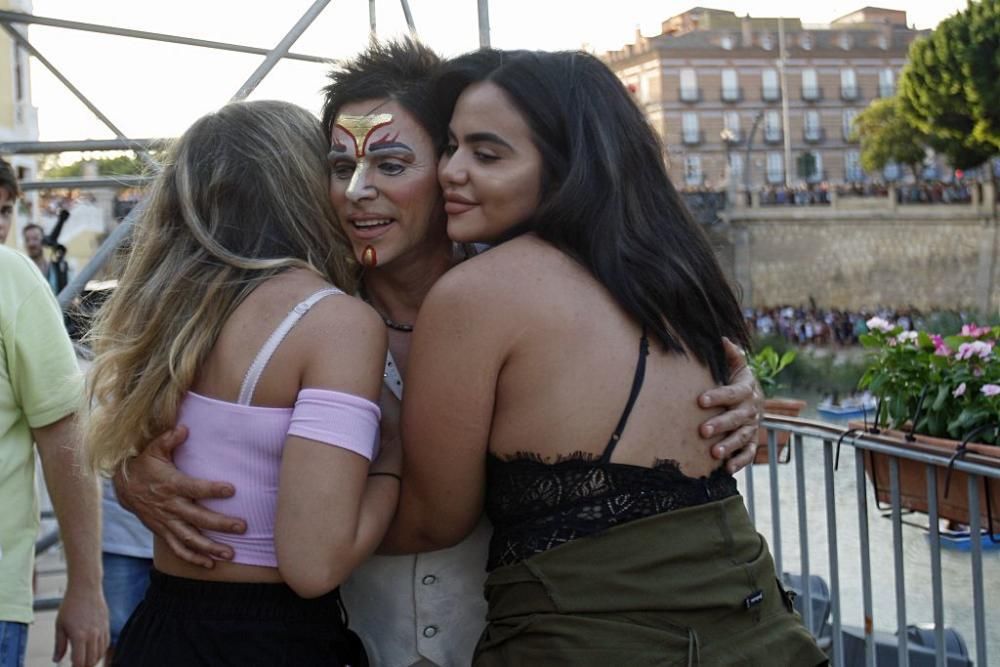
(640, 374)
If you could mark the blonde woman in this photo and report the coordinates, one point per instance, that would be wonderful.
(227, 320)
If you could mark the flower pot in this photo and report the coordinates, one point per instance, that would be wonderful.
(913, 480)
(787, 407)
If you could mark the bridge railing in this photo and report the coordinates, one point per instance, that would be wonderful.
(823, 518)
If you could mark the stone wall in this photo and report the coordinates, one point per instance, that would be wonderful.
(927, 256)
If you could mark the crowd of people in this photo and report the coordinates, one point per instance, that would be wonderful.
(925, 192)
(534, 518)
(811, 325)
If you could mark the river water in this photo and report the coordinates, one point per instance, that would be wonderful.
(956, 565)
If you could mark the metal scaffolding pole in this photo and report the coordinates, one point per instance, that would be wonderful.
(281, 49)
(121, 232)
(46, 147)
(409, 17)
(108, 182)
(484, 24)
(23, 41)
(20, 17)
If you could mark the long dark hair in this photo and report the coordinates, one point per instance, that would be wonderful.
(606, 199)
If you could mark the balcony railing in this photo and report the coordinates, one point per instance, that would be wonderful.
(884, 571)
(732, 94)
(769, 94)
(692, 137)
(690, 94)
(886, 90)
(813, 135)
(849, 92)
(773, 135)
(812, 93)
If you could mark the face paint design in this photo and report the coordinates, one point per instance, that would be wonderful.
(369, 258)
(361, 128)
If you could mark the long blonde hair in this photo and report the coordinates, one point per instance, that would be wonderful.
(242, 197)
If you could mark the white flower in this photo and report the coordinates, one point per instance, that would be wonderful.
(905, 336)
(877, 323)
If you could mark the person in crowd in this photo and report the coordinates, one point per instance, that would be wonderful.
(566, 408)
(228, 319)
(127, 559)
(383, 123)
(10, 190)
(34, 245)
(40, 391)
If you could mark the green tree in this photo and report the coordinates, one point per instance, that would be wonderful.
(122, 165)
(888, 136)
(950, 88)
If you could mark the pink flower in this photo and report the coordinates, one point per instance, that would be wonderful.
(959, 391)
(991, 389)
(974, 331)
(976, 348)
(941, 348)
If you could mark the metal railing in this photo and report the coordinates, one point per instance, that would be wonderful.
(815, 450)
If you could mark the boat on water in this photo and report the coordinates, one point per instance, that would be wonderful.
(847, 408)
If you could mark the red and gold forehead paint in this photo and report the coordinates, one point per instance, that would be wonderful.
(361, 128)
(368, 258)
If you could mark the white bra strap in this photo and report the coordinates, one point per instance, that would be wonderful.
(271, 345)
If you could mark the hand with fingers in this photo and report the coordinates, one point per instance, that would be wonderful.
(166, 501)
(82, 625)
(743, 400)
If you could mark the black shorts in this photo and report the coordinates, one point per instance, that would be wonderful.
(187, 622)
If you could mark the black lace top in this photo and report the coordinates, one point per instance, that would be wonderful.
(535, 506)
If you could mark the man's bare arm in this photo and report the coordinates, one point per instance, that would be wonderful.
(166, 501)
(82, 622)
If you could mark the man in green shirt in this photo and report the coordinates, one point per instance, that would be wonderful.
(40, 391)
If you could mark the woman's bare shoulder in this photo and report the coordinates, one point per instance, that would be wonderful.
(509, 268)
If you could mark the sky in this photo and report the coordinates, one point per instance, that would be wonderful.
(151, 89)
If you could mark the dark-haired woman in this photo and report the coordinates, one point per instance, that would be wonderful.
(565, 408)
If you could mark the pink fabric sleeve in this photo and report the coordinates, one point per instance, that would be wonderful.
(337, 419)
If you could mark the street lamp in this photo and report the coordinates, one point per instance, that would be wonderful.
(746, 163)
(728, 137)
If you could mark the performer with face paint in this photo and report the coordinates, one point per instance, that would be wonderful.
(385, 137)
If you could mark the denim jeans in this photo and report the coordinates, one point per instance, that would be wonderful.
(13, 642)
(125, 582)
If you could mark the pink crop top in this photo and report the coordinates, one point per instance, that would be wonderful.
(242, 444)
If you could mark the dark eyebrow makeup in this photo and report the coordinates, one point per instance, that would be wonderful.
(389, 146)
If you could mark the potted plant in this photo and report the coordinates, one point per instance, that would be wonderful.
(766, 365)
(935, 392)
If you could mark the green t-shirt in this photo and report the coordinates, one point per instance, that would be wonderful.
(40, 384)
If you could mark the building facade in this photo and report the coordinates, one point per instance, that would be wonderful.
(18, 117)
(712, 80)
